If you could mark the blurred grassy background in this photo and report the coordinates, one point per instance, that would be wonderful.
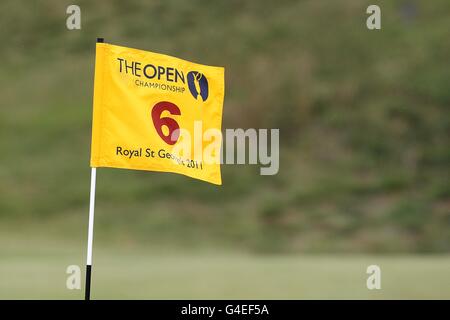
(363, 118)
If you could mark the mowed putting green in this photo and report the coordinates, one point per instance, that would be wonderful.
(140, 274)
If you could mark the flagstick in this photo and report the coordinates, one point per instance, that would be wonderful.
(87, 289)
(90, 235)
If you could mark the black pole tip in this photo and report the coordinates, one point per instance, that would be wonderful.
(87, 290)
(100, 40)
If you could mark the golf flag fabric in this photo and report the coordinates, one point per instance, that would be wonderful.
(151, 112)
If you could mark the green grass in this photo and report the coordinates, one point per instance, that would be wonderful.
(120, 273)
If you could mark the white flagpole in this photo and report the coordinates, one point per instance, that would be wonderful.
(87, 291)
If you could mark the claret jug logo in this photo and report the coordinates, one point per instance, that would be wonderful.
(198, 85)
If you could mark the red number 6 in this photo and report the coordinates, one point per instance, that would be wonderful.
(170, 123)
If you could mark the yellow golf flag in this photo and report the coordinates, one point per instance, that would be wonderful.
(155, 112)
